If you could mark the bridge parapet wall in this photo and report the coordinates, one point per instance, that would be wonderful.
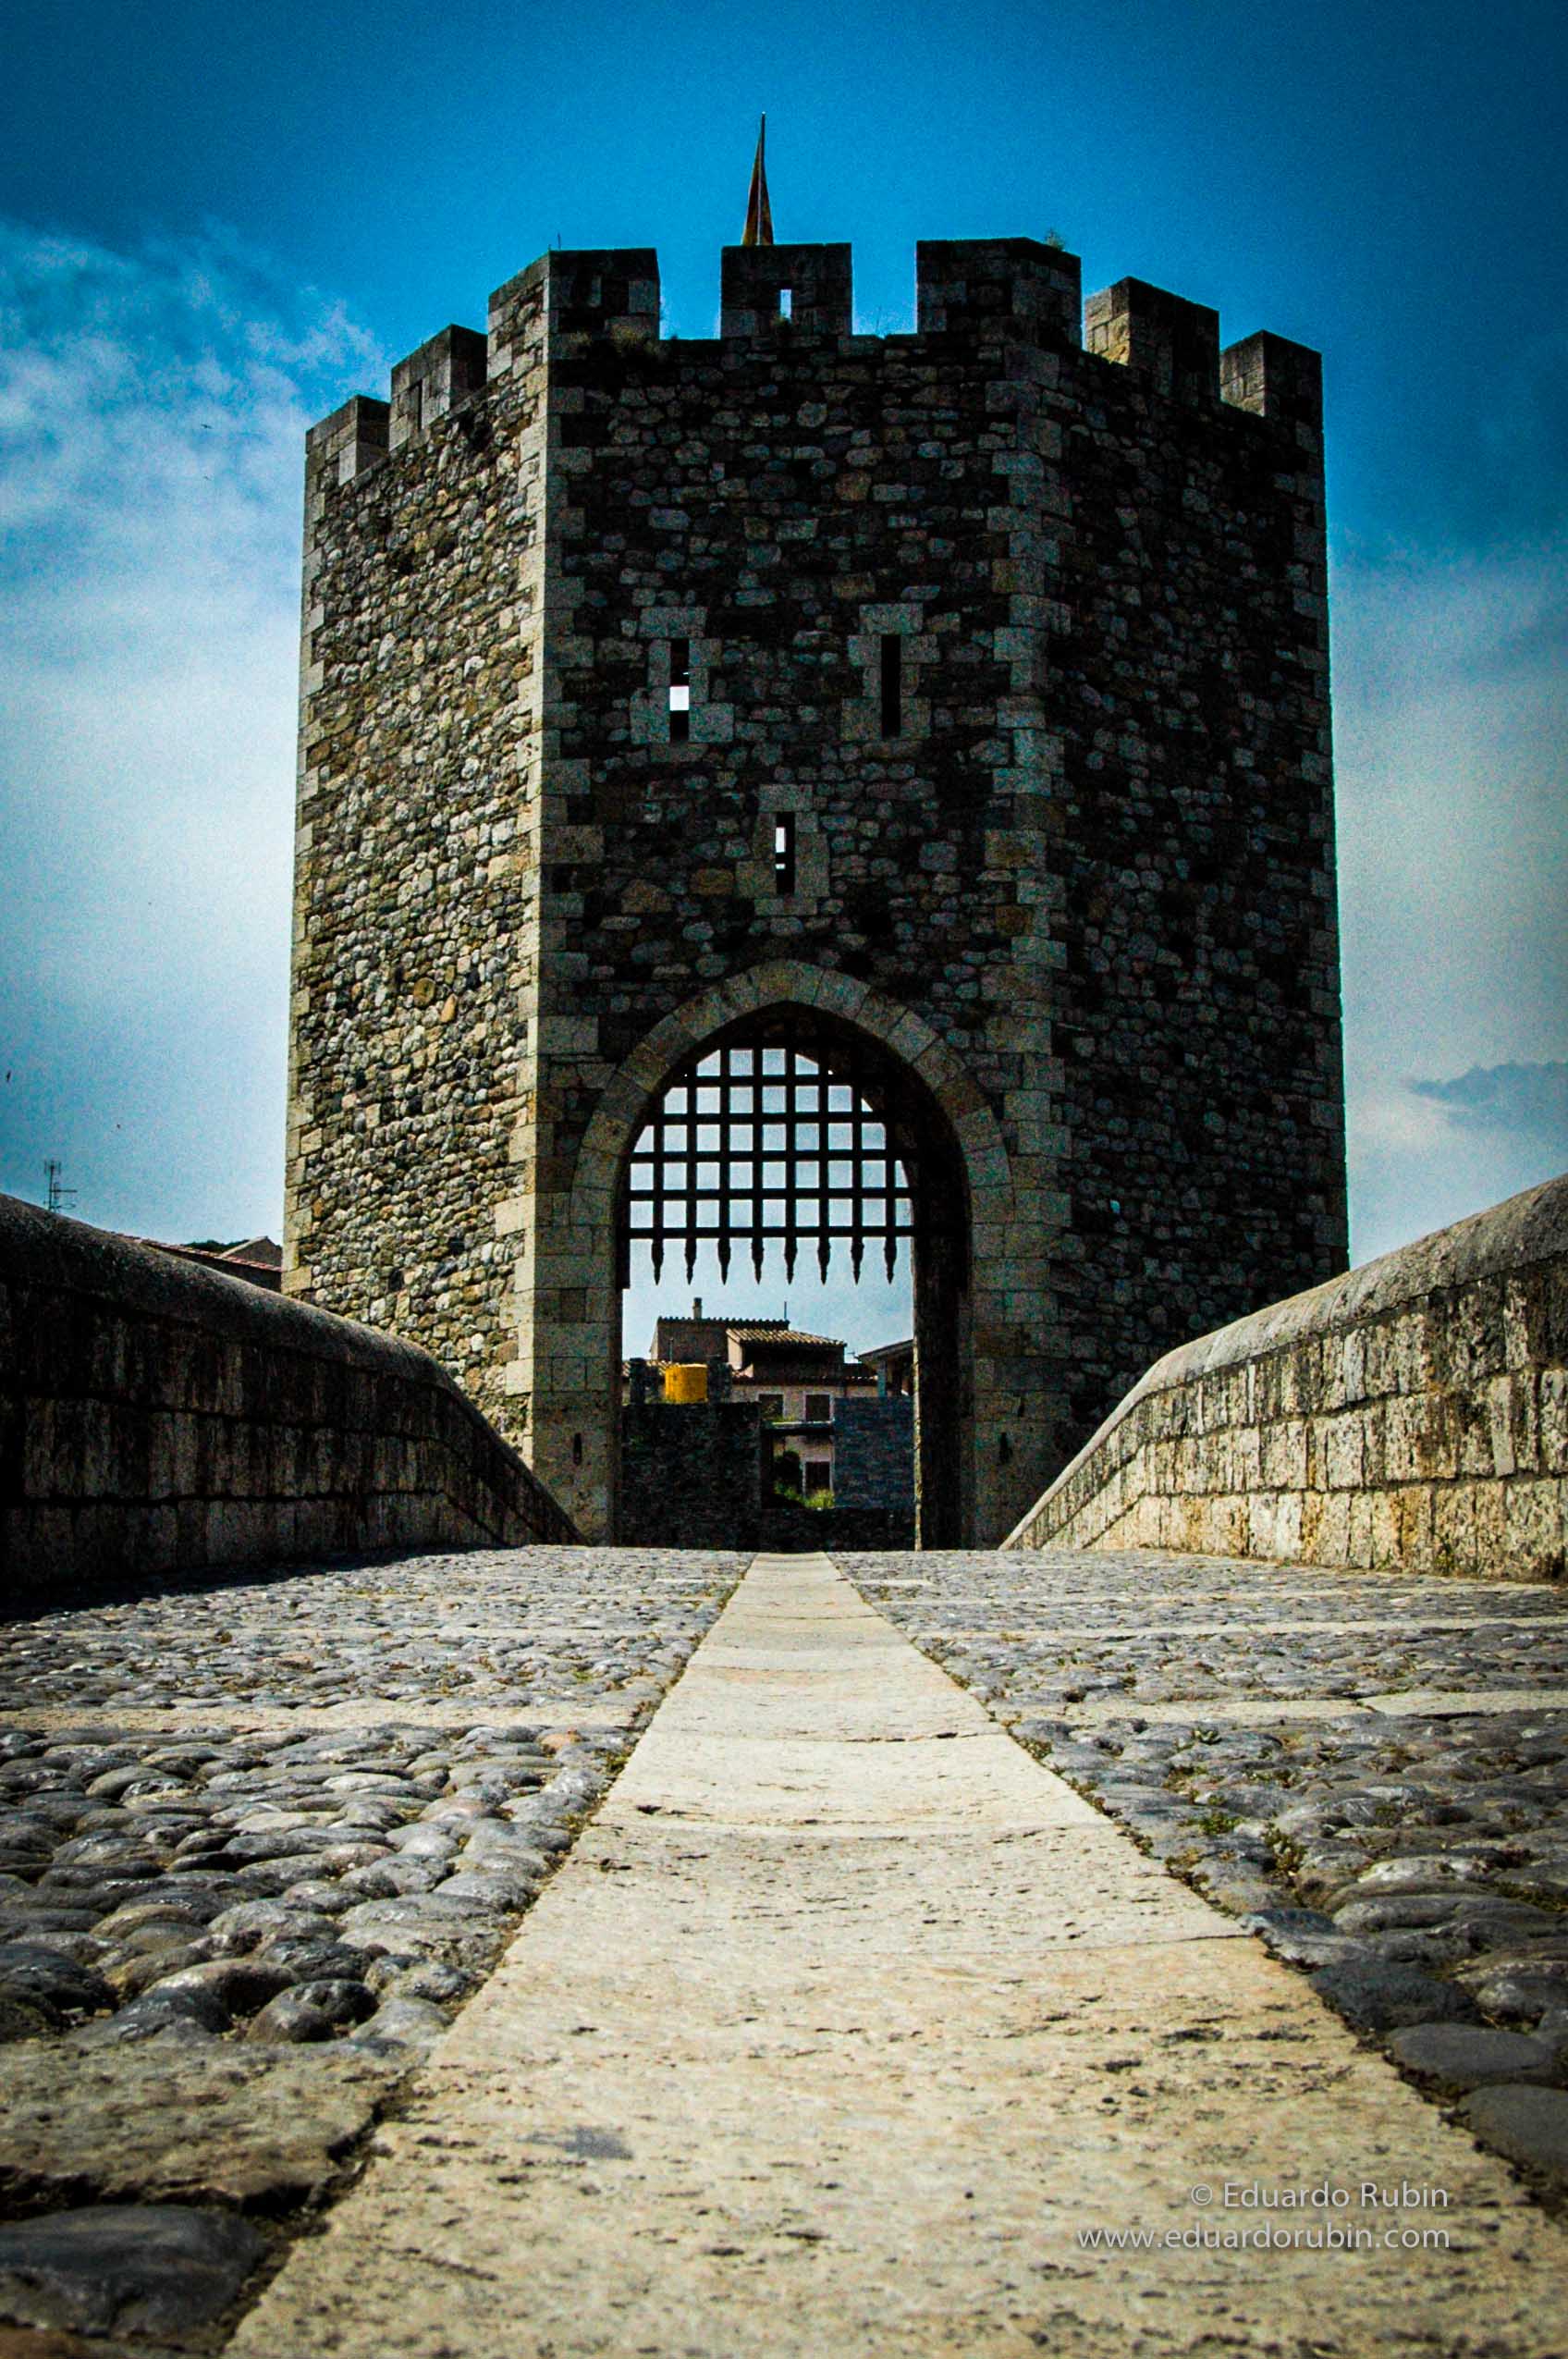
(1412, 1414)
(157, 1418)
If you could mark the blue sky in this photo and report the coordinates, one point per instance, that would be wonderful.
(215, 224)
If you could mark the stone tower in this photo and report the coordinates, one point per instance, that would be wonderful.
(953, 704)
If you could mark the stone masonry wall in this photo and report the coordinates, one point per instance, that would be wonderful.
(1084, 886)
(873, 1453)
(691, 1475)
(156, 1417)
(1412, 1414)
(416, 865)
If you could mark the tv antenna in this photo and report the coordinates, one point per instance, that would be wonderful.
(59, 1194)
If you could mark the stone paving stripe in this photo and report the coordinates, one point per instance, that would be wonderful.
(1247, 1712)
(1043, 1632)
(1256, 1712)
(1449, 1702)
(841, 2024)
(549, 1712)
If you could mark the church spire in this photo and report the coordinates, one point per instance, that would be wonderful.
(759, 213)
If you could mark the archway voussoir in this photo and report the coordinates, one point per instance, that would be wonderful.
(843, 995)
(874, 1008)
(957, 1092)
(596, 1164)
(909, 1039)
(987, 1167)
(653, 1057)
(777, 980)
(622, 1103)
(977, 1128)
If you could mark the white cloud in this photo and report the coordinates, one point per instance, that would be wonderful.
(153, 409)
(1452, 713)
(1526, 1100)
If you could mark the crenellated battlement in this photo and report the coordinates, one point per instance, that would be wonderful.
(1274, 378)
(349, 439)
(1174, 342)
(803, 289)
(435, 379)
(967, 290)
(997, 285)
(603, 290)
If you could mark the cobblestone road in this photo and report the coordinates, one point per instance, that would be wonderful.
(1371, 1772)
(258, 1841)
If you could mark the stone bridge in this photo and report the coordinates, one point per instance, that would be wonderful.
(541, 1950)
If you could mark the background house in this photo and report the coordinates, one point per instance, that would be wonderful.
(799, 1382)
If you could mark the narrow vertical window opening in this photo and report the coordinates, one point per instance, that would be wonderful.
(784, 853)
(892, 686)
(680, 690)
(786, 303)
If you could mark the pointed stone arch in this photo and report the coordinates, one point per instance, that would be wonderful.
(964, 1131)
(623, 1107)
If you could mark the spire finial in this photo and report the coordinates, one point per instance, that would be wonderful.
(759, 213)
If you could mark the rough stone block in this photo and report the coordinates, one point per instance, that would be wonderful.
(1533, 1534)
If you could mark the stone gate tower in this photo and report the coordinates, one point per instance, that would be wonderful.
(952, 707)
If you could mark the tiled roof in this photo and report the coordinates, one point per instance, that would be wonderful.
(767, 1331)
(258, 1260)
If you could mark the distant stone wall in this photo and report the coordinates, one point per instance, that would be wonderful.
(157, 1418)
(873, 1454)
(1413, 1414)
(691, 1475)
